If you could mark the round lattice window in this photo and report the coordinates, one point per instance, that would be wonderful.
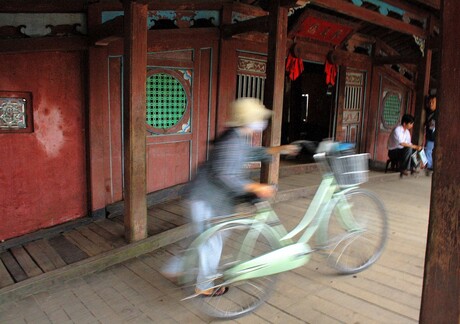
(167, 99)
(391, 109)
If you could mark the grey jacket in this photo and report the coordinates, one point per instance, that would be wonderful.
(221, 179)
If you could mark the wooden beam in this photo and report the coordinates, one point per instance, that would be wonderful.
(399, 77)
(293, 3)
(274, 85)
(259, 24)
(412, 11)
(383, 60)
(107, 32)
(373, 17)
(422, 91)
(434, 43)
(48, 6)
(315, 52)
(436, 4)
(186, 5)
(441, 282)
(44, 44)
(135, 74)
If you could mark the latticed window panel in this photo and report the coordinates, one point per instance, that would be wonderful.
(391, 110)
(250, 86)
(167, 102)
(353, 98)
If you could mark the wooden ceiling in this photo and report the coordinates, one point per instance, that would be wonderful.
(404, 27)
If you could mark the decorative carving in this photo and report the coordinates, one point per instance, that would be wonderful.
(202, 22)
(384, 8)
(12, 31)
(300, 5)
(63, 30)
(354, 79)
(351, 117)
(250, 65)
(12, 113)
(163, 24)
(421, 44)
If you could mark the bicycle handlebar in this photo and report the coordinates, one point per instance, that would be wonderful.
(326, 146)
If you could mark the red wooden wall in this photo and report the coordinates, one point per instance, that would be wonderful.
(43, 173)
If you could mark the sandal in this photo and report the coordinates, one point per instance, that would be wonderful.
(212, 292)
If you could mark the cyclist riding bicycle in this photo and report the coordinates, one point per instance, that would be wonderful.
(224, 178)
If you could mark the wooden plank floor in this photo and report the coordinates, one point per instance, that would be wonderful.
(134, 291)
(32, 259)
(25, 261)
(387, 292)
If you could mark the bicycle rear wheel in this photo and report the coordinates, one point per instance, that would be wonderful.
(357, 232)
(242, 296)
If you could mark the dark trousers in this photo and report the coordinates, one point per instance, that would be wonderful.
(403, 156)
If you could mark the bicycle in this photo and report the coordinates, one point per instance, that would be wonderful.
(350, 224)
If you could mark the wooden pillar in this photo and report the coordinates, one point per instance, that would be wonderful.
(97, 106)
(226, 76)
(423, 89)
(135, 62)
(274, 84)
(441, 283)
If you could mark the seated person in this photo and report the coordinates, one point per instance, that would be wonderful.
(400, 147)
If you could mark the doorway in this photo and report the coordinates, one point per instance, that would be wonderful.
(308, 112)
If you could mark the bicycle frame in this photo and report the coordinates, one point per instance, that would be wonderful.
(289, 255)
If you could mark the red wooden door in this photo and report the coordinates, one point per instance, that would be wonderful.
(179, 116)
(353, 106)
(169, 114)
(393, 103)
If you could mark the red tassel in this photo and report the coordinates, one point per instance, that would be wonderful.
(331, 72)
(294, 66)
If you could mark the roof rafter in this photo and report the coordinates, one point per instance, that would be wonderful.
(398, 59)
(430, 3)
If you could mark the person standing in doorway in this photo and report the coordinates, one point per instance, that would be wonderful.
(430, 127)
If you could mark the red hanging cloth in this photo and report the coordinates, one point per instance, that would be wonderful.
(331, 72)
(294, 66)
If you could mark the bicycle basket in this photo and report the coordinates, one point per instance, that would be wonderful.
(350, 170)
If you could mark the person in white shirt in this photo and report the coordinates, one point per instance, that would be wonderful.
(400, 145)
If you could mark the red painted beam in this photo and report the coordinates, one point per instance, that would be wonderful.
(44, 44)
(48, 6)
(373, 17)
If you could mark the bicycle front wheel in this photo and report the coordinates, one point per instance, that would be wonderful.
(241, 242)
(357, 231)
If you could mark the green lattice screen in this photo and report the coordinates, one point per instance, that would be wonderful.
(166, 101)
(391, 110)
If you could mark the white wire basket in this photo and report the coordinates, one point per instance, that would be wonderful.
(350, 170)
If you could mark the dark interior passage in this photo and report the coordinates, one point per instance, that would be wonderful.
(308, 108)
